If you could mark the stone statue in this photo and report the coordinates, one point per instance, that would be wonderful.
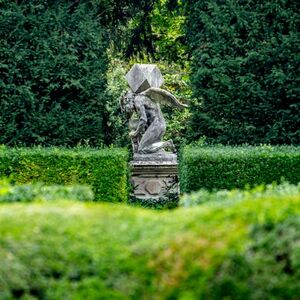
(144, 99)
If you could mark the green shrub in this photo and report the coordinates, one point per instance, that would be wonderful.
(104, 170)
(245, 70)
(203, 196)
(170, 201)
(31, 192)
(269, 269)
(53, 66)
(245, 249)
(223, 167)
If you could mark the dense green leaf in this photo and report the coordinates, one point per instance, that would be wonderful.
(223, 250)
(245, 71)
(104, 170)
(225, 167)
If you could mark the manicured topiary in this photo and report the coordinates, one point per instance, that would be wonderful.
(223, 167)
(104, 170)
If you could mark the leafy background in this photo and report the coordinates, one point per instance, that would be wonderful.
(62, 67)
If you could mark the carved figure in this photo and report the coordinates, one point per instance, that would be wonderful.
(148, 130)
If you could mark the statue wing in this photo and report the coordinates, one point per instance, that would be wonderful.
(163, 97)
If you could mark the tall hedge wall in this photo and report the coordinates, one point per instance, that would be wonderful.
(104, 170)
(225, 167)
(52, 73)
(245, 70)
(244, 250)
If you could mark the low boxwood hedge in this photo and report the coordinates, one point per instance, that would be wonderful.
(225, 167)
(246, 249)
(32, 192)
(104, 170)
(203, 196)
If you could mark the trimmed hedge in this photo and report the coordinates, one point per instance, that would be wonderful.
(245, 249)
(245, 73)
(53, 68)
(104, 170)
(225, 167)
(271, 190)
(32, 192)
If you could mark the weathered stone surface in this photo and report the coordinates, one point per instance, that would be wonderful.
(143, 76)
(155, 158)
(153, 187)
(155, 176)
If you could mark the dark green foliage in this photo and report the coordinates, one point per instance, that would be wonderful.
(157, 32)
(170, 200)
(167, 203)
(276, 247)
(245, 71)
(31, 192)
(53, 64)
(74, 250)
(104, 170)
(139, 37)
(224, 167)
(269, 269)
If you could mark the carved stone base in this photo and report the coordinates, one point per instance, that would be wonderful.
(155, 176)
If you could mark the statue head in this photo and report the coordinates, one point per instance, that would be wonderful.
(127, 103)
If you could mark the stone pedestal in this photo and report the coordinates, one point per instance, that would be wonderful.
(155, 176)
